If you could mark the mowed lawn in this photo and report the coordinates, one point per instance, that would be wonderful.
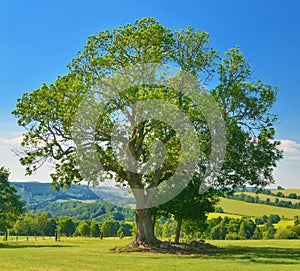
(251, 209)
(95, 254)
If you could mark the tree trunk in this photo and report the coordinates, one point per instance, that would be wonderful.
(144, 234)
(178, 229)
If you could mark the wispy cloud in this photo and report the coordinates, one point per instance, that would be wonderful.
(11, 141)
(289, 146)
(291, 149)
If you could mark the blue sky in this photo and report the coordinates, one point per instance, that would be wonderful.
(38, 39)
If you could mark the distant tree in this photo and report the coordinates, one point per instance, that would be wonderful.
(264, 218)
(127, 227)
(11, 207)
(257, 235)
(168, 229)
(280, 194)
(233, 225)
(280, 187)
(273, 218)
(219, 210)
(23, 225)
(121, 232)
(242, 230)
(285, 233)
(110, 228)
(259, 221)
(51, 227)
(219, 232)
(41, 223)
(66, 226)
(95, 229)
(83, 229)
(249, 227)
(292, 196)
(268, 231)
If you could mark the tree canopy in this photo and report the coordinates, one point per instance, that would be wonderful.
(133, 138)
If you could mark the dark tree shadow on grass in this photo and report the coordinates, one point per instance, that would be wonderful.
(265, 255)
(24, 245)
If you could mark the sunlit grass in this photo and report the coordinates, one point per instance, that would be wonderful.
(95, 254)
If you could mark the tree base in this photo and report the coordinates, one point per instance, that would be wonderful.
(153, 242)
(190, 248)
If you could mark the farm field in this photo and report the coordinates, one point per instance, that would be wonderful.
(255, 210)
(288, 191)
(215, 215)
(272, 198)
(95, 254)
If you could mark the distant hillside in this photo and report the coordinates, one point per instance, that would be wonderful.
(35, 193)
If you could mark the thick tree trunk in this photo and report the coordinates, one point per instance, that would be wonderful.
(178, 229)
(144, 234)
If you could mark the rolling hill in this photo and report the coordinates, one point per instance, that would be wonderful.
(242, 208)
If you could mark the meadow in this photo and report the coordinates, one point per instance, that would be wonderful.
(95, 254)
(255, 210)
(272, 198)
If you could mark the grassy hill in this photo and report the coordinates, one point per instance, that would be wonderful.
(242, 208)
(272, 198)
(286, 192)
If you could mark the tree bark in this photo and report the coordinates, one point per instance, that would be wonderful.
(144, 235)
(178, 229)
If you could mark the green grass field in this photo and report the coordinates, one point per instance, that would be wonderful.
(94, 254)
(255, 210)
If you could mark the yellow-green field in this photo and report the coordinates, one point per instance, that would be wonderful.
(286, 192)
(94, 254)
(272, 198)
(215, 215)
(255, 210)
(284, 224)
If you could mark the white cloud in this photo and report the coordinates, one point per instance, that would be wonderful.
(291, 150)
(11, 141)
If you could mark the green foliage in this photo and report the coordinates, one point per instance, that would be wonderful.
(98, 211)
(83, 229)
(239, 229)
(35, 224)
(11, 208)
(268, 231)
(168, 228)
(121, 232)
(257, 235)
(95, 229)
(242, 230)
(286, 233)
(66, 226)
(110, 228)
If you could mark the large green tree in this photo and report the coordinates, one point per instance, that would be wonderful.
(49, 114)
(11, 207)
